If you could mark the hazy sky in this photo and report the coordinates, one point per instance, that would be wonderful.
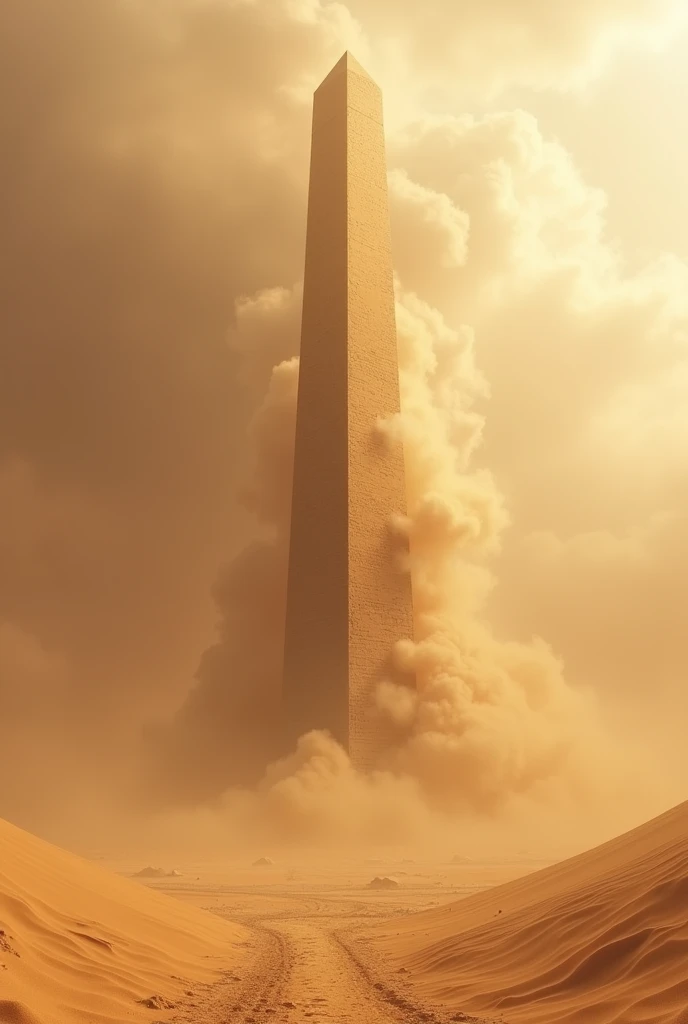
(623, 132)
(155, 160)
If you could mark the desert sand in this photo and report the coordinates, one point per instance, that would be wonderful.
(80, 944)
(601, 938)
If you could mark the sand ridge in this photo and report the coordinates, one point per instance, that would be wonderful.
(599, 939)
(80, 944)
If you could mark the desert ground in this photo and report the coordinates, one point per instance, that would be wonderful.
(599, 939)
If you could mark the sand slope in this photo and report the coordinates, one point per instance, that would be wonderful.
(600, 938)
(79, 944)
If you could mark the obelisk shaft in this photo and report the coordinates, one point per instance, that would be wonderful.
(347, 600)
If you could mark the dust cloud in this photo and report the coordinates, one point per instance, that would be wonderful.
(155, 180)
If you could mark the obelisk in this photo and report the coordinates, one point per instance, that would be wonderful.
(348, 602)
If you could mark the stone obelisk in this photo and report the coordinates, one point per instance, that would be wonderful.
(347, 600)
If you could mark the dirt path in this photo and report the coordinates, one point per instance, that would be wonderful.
(321, 982)
(304, 965)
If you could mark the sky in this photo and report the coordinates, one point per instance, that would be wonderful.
(604, 125)
(155, 163)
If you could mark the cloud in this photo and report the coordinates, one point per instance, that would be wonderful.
(155, 173)
(227, 729)
(584, 430)
(455, 44)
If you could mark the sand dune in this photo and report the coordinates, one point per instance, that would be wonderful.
(600, 938)
(79, 944)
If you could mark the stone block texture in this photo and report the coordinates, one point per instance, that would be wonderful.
(347, 600)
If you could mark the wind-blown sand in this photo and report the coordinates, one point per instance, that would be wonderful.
(79, 944)
(597, 939)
